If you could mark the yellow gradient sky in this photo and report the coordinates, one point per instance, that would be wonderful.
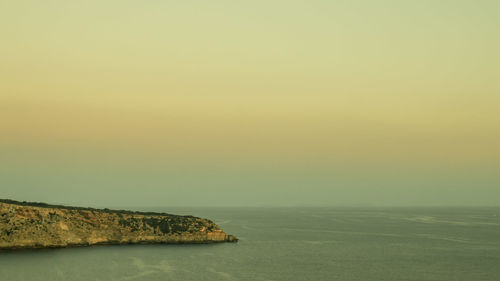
(250, 102)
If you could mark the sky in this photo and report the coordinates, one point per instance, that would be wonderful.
(250, 103)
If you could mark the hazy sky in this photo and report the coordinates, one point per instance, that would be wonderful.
(168, 103)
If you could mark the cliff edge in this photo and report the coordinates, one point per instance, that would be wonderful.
(25, 225)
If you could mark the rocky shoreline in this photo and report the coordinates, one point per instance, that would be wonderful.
(28, 225)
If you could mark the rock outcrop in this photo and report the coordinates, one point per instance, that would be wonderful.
(38, 225)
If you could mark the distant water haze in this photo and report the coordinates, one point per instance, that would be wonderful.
(263, 103)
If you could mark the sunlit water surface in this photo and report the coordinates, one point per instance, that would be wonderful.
(293, 244)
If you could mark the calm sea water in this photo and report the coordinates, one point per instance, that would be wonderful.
(294, 244)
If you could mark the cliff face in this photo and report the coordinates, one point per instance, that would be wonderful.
(37, 225)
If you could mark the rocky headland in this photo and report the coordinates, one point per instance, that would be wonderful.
(25, 225)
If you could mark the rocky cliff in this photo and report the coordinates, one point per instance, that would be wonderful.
(38, 225)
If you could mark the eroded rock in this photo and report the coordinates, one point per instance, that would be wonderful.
(38, 225)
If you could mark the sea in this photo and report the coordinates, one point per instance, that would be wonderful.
(284, 244)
